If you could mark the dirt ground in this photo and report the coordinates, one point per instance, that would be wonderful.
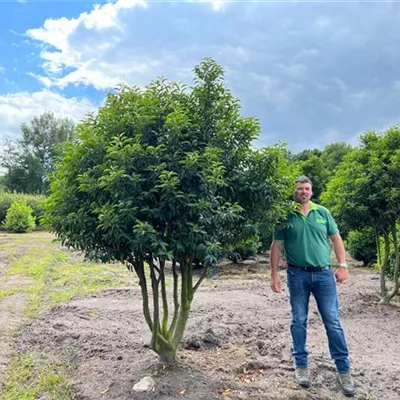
(237, 343)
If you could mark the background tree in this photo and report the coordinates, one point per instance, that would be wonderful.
(319, 165)
(29, 160)
(310, 163)
(156, 176)
(362, 246)
(2, 183)
(304, 155)
(333, 154)
(261, 176)
(314, 167)
(365, 193)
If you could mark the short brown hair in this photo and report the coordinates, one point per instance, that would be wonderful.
(303, 179)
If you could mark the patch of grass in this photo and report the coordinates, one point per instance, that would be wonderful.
(63, 295)
(25, 380)
(80, 279)
(57, 275)
(14, 240)
(7, 292)
(36, 300)
(37, 261)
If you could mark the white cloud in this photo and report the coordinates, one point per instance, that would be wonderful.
(235, 54)
(18, 108)
(307, 53)
(218, 5)
(102, 34)
(359, 98)
(339, 82)
(62, 51)
(323, 22)
(294, 71)
(278, 92)
(2, 70)
(98, 49)
(42, 79)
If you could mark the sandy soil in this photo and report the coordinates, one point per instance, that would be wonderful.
(237, 343)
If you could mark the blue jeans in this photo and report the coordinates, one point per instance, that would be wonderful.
(323, 287)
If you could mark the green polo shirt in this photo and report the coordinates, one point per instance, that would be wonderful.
(306, 239)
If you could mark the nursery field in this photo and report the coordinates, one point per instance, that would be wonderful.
(71, 329)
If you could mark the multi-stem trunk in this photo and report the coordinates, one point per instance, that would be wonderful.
(388, 295)
(167, 332)
(383, 267)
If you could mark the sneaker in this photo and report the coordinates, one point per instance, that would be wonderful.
(347, 384)
(302, 379)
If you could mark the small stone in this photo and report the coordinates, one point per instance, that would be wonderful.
(146, 384)
(43, 396)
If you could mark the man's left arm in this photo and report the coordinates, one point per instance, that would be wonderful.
(342, 273)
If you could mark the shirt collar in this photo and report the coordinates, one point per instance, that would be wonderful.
(297, 206)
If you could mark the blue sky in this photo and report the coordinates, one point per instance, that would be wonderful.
(313, 72)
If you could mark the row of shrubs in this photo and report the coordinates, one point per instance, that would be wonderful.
(362, 246)
(20, 212)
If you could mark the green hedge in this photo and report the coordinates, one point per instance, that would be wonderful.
(33, 201)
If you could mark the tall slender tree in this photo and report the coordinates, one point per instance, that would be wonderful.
(29, 160)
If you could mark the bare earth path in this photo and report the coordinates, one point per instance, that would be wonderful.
(237, 343)
(11, 308)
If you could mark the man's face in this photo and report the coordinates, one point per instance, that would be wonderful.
(302, 192)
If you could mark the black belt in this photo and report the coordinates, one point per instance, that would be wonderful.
(310, 269)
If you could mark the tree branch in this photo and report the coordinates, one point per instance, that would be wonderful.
(138, 265)
(203, 275)
(397, 261)
(186, 297)
(176, 300)
(189, 278)
(156, 307)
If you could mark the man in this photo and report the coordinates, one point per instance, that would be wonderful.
(305, 236)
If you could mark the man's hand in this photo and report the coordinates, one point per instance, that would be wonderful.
(276, 284)
(341, 274)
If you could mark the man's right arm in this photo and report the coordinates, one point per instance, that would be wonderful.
(274, 261)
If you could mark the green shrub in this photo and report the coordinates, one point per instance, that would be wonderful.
(19, 218)
(362, 246)
(33, 201)
(244, 249)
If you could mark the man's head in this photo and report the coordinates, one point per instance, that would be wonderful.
(303, 190)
